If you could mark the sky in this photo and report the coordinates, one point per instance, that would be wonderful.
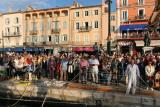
(16, 5)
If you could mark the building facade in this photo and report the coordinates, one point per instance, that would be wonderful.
(154, 19)
(46, 27)
(1, 39)
(154, 23)
(133, 17)
(72, 26)
(88, 25)
(76, 26)
(114, 26)
(11, 29)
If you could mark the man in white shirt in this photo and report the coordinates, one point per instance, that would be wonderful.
(94, 63)
(132, 72)
(150, 71)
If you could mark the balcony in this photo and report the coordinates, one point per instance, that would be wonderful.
(123, 5)
(33, 32)
(85, 28)
(36, 43)
(140, 17)
(39, 43)
(139, 36)
(140, 3)
(55, 31)
(28, 44)
(82, 43)
(14, 34)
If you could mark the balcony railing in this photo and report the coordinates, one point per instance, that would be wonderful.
(85, 28)
(28, 44)
(53, 31)
(50, 43)
(123, 5)
(140, 17)
(14, 34)
(33, 32)
(137, 36)
(80, 43)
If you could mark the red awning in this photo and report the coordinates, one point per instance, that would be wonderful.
(77, 49)
(88, 49)
(80, 49)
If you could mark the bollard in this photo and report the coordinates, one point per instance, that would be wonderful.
(98, 103)
(18, 77)
(30, 76)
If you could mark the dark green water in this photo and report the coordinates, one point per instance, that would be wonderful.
(9, 103)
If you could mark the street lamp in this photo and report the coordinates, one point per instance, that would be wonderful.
(109, 27)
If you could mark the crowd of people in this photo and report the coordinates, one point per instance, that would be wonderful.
(83, 68)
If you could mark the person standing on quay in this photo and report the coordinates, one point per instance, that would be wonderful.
(51, 67)
(132, 72)
(150, 71)
(94, 63)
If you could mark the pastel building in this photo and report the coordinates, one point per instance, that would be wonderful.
(11, 29)
(1, 39)
(70, 26)
(114, 26)
(46, 27)
(76, 25)
(88, 24)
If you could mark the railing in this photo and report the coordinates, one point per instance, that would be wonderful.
(35, 43)
(33, 32)
(57, 30)
(50, 43)
(85, 28)
(140, 3)
(82, 43)
(140, 17)
(123, 5)
(149, 3)
(28, 44)
(139, 36)
(15, 34)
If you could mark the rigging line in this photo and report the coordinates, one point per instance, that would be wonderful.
(20, 97)
(55, 84)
